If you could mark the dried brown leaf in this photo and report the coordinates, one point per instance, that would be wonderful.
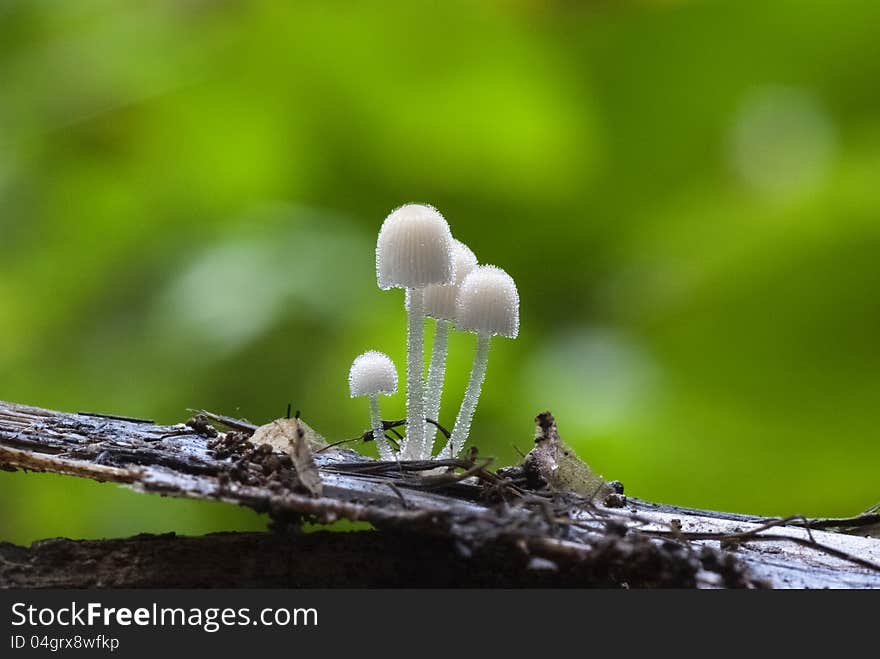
(299, 441)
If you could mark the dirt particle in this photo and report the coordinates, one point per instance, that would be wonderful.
(201, 424)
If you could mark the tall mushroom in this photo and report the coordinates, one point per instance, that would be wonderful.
(371, 374)
(414, 250)
(440, 305)
(488, 305)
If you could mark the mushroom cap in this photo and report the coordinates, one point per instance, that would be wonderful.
(414, 249)
(440, 298)
(488, 303)
(372, 373)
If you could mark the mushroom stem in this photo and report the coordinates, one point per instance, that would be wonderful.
(414, 443)
(378, 427)
(471, 396)
(436, 375)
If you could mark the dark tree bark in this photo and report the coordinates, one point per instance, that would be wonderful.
(477, 528)
(312, 560)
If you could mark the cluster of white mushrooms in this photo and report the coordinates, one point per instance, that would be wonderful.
(416, 251)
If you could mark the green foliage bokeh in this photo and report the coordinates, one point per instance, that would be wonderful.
(686, 193)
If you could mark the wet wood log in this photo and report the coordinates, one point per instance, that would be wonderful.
(479, 528)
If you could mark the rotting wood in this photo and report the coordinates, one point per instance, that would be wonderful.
(273, 560)
(532, 536)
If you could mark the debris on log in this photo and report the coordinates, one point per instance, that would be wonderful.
(549, 521)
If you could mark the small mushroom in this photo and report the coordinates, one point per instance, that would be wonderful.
(371, 374)
(440, 305)
(488, 305)
(414, 250)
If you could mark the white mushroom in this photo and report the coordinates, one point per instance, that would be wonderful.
(371, 374)
(488, 305)
(440, 305)
(414, 250)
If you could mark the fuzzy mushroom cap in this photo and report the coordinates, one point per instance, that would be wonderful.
(414, 249)
(488, 303)
(372, 373)
(440, 298)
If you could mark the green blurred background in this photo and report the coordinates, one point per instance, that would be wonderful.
(687, 194)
